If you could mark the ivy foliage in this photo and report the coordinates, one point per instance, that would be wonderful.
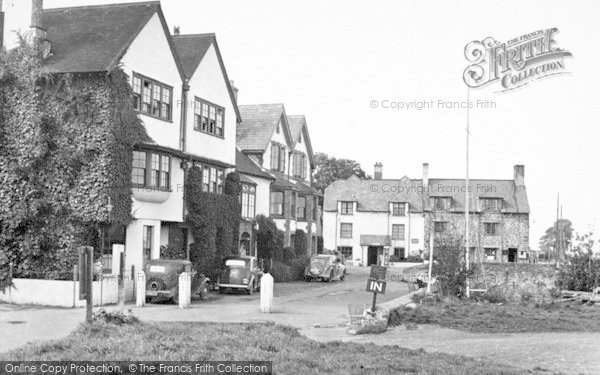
(66, 144)
(214, 220)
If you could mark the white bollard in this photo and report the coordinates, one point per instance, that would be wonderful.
(266, 293)
(185, 290)
(140, 290)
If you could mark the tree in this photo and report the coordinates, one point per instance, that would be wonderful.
(330, 169)
(548, 242)
(581, 271)
(449, 267)
(269, 239)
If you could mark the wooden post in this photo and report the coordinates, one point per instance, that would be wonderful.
(86, 277)
(10, 265)
(430, 262)
(140, 295)
(266, 293)
(374, 303)
(185, 290)
(121, 280)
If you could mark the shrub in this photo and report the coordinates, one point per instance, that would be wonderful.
(300, 243)
(269, 239)
(281, 272)
(449, 267)
(115, 317)
(494, 295)
(581, 271)
(297, 267)
(171, 252)
(287, 255)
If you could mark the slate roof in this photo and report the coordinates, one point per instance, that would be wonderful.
(283, 182)
(191, 50)
(95, 38)
(375, 195)
(245, 165)
(297, 125)
(258, 124)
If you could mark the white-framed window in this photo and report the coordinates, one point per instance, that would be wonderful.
(209, 118)
(151, 97)
(346, 230)
(301, 208)
(347, 208)
(276, 203)
(248, 200)
(442, 203)
(491, 229)
(398, 208)
(151, 169)
(397, 231)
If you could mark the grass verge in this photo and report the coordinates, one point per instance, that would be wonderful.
(489, 317)
(290, 352)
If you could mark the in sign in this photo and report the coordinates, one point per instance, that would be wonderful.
(376, 286)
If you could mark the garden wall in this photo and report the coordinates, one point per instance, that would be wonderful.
(517, 281)
(61, 293)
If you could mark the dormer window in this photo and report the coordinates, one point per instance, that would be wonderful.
(347, 208)
(208, 118)
(277, 157)
(442, 203)
(491, 204)
(398, 208)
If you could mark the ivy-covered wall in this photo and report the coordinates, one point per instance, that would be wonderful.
(214, 219)
(65, 153)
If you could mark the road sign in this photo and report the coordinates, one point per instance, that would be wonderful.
(376, 286)
(377, 272)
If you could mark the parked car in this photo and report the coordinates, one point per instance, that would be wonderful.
(162, 280)
(240, 273)
(326, 267)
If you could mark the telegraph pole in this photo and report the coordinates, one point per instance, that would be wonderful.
(467, 265)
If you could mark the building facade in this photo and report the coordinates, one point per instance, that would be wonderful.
(184, 100)
(280, 145)
(374, 221)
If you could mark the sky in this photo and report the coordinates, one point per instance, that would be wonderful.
(340, 62)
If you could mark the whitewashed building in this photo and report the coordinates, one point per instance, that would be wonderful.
(184, 100)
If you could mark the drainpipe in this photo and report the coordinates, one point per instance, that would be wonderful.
(183, 123)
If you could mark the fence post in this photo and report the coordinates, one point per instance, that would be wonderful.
(140, 296)
(266, 293)
(75, 280)
(185, 290)
(10, 277)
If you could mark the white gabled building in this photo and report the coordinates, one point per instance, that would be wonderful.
(280, 145)
(184, 100)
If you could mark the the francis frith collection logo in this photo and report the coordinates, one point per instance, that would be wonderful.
(514, 63)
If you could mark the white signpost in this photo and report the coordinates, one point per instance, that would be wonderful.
(185, 290)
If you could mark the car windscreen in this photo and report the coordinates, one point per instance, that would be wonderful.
(236, 263)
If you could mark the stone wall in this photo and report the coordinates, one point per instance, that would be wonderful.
(517, 282)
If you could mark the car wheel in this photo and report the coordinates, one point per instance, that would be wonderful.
(307, 279)
(203, 292)
(343, 276)
(176, 300)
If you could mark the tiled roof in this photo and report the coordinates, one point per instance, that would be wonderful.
(375, 240)
(258, 124)
(284, 182)
(191, 50)
(375, 195)
(297, 125)
(95, 38)
(245, 165)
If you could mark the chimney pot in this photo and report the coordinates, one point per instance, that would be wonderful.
(234, 89)
(519, 175)
(378, 171)
(176, 30)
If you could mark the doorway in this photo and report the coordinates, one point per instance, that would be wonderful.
(512, 255)
(372, 253)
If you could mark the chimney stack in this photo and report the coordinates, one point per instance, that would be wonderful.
(234, 89)
(378, 171)
(176, 30)
(519, 175)
(37, 7)
(425, 175)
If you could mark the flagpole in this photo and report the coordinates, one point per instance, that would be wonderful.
(467, 266)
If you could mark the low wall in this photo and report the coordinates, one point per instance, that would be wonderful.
(517, 281)
(64, 293)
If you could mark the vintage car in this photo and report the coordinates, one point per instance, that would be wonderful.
(162, 280)
(240, 273)
(326, 267)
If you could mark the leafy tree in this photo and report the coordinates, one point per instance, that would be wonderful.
(449, 267)
(548, 242)
(330, 169)
(269, 239)
(581, 271)
(300, 243)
